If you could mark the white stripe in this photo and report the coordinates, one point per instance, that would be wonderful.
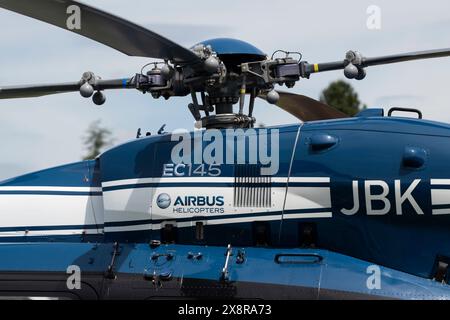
(47, 232)
(308, 197)
(440, 181)
(38, 210)
(139, 227)
(309, 179)
(205, 180)
(246, 219)
(45, 188)
(195, 179)
(279, 179)
(440, 211)
(308, 215)
(128, 204)
(440, 196)
(184, 224)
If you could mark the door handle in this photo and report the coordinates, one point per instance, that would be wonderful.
(321, 142)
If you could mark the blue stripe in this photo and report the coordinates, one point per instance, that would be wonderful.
(56, 193)
(130, 186)
(314, 210)
(441, 206)
(128, 223)
(443, 186)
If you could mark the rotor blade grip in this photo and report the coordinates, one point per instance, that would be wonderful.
(125, 83)
(309, 68)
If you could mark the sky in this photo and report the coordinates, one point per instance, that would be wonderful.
(43, 132)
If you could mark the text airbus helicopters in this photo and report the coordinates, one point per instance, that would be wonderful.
(341, 216)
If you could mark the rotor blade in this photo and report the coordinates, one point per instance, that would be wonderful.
(103, 27)
(374, 61)
(406, 57)
(305, 108)
(30, 91)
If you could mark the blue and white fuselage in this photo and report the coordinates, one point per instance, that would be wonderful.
(366, 191)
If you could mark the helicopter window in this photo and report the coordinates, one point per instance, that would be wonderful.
(168, 233)
(199, 231)
(261, 233)
(250, 188)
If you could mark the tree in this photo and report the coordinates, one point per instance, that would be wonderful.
(341, 95)
(96, 139)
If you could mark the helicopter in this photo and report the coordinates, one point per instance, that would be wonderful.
(319, 209)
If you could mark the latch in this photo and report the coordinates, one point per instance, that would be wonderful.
(225, 274)
(110, 274)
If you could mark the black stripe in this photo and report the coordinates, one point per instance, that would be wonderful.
(441, 206)
(440, 187)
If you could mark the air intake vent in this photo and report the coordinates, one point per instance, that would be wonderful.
(250, 188)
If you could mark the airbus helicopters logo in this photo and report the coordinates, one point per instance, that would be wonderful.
(163, 201)
(192, 204)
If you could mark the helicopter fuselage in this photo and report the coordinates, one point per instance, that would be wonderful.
(372, 188)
